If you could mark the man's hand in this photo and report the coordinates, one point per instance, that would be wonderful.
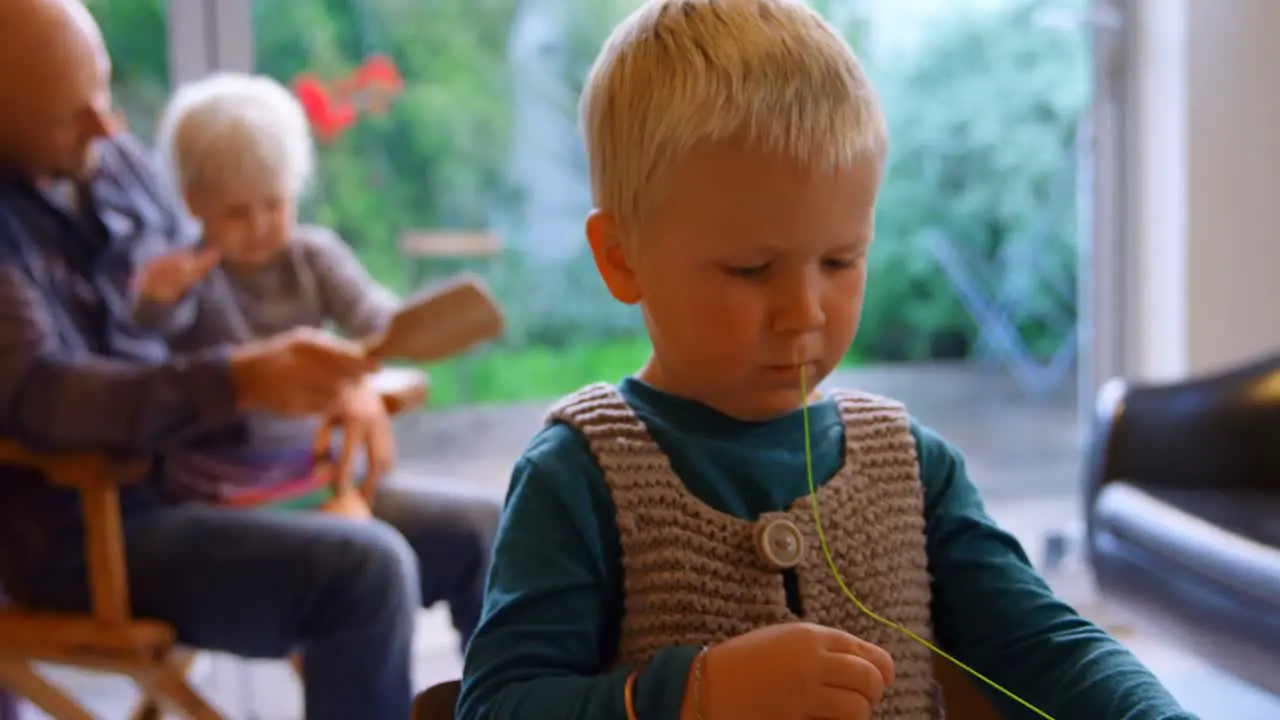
(364, 422)
(301, 372)
(167, 278)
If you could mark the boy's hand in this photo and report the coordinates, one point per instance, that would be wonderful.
(167, 278)
(796, 671)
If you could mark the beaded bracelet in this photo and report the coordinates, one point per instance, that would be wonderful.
(698, 662)
(628, 696)
(629, 689)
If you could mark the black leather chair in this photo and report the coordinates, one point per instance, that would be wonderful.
(1183, 512)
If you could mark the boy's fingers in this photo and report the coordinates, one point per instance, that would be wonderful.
(872, 653)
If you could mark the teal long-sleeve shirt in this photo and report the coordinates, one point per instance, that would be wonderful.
(545, 647)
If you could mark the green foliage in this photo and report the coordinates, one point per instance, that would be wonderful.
(436, 159)
(535, 372)
(983, 125)
(982, 116)
(137, 40)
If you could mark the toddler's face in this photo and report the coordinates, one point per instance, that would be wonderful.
(248, 226)
(748, 270)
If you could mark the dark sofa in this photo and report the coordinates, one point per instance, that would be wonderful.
(1183, 512)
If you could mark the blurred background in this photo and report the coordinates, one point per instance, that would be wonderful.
(1042, 226)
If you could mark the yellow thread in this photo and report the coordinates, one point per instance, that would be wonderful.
(831, 561)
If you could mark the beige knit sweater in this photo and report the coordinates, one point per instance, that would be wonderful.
(694, 575)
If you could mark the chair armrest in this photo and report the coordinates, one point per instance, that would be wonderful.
(437, 702)
(963, 696)
(1212, 431)
(97, 476)
(74, 470)
(1100, 457)
(401, 388)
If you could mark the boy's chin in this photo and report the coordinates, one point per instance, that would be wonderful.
(759, 406)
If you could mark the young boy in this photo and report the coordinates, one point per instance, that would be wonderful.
(658, 556)
(239, 149)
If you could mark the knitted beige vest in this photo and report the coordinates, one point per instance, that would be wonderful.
(694, 576)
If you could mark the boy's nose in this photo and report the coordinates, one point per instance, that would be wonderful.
(799, 308)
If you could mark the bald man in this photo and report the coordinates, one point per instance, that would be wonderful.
(80, 210)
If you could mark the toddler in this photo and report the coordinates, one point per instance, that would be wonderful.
(658, 556)
(239, 149)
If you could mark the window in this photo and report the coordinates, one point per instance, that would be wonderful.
(136, 34)
(970, 312)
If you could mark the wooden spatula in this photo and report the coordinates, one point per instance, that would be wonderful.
(443, 322)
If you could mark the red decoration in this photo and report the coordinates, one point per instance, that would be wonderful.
(377, 82)
(329, 115)
(334, 107)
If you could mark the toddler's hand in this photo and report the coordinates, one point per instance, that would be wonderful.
(349, 504)
(167, 278)
(795, 671)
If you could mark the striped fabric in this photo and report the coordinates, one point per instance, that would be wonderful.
(292, 478)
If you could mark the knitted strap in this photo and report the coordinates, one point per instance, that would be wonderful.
(618, 438)
(877, 432)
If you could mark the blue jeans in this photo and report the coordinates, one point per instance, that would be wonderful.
(262, 584)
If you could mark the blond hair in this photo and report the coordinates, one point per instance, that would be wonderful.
(677, 73)
(233, 129)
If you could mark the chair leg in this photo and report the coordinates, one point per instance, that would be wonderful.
(147, 710)
(23, 680)
(180, 662)
(170, 691)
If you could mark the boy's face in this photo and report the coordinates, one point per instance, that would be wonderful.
(748, 269)
(247, 226)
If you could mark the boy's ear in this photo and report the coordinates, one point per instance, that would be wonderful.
(611, 259)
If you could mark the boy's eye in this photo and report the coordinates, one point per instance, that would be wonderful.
(747, 271)
(841, 263)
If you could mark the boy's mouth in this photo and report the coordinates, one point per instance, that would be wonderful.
(809, 366)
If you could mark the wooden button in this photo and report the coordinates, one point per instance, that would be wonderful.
(779, 544)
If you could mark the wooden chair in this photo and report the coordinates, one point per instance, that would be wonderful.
(962, 698)
(437, 702)
(109, 638)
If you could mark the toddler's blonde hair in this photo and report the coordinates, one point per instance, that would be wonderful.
(676, 73)
(233, 129)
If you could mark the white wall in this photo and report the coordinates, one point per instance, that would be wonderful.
(208, 35)
(1204, 186)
